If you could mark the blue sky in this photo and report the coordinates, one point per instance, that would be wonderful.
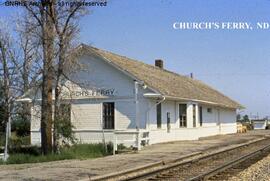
(236, 62)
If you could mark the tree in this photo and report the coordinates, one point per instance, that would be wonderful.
(56, 24)
(2, 125)
(66, 31)
(8, 71)
(29, 62)
(8, 77)
(245, 118)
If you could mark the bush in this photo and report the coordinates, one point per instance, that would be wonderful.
(2, 139)
(20, 158)
(21, 126)
(83, 151)
(32, 154)
(17, 142)
(31, 150)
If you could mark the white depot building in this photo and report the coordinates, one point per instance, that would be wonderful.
(120, 100)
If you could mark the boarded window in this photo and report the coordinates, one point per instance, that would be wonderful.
(159, 115)
(201, 116)
(108, 115)
(183, 115)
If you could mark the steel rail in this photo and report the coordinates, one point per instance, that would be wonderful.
(228, 165)
(183, 163)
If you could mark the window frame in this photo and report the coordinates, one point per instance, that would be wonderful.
(182, 124)
(108, 116)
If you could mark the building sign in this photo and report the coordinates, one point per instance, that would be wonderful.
(90, 93)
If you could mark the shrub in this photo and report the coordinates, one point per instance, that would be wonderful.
(31, 150)
(32, 154)
(21, 126)
(82, 151)
(20, 158)
(2, 138)
(17, 142)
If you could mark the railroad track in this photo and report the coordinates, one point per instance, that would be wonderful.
(216, 166)
(219, 165)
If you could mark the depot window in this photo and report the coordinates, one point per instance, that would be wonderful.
(182, 115)
(108, 115)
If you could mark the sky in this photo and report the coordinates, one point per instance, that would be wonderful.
(235, 62)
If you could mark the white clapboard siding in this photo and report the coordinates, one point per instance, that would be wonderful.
(86, 116)
(35, 117)
(99, 74)
(125, 115)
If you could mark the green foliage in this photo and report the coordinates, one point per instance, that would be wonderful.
(64, 130)
(64, 126)
(84, 151)
(109, 148)
(32, 154)
(31, 150)
(21, 126)
(20, 158)
(17, 142)
(245, 118)
(121, 146)
(2, 138)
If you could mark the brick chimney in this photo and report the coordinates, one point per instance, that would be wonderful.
(159, 63)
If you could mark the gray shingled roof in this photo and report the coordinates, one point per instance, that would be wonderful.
(165, 82)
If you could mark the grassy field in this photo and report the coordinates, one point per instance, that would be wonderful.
(79, 151)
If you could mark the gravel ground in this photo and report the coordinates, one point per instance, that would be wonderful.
(259, 171)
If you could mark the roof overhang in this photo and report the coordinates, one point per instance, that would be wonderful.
(155, 95)
(152, 95)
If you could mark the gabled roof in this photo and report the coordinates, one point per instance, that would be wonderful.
(167, 83)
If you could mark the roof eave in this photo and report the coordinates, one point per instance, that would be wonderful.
(203, 101)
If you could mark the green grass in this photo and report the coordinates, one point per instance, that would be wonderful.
(79, 151)
(24, 140)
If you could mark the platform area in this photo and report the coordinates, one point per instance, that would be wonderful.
(83, 169)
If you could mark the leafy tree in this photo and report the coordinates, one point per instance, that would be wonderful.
(245, 118)
(21, 126)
